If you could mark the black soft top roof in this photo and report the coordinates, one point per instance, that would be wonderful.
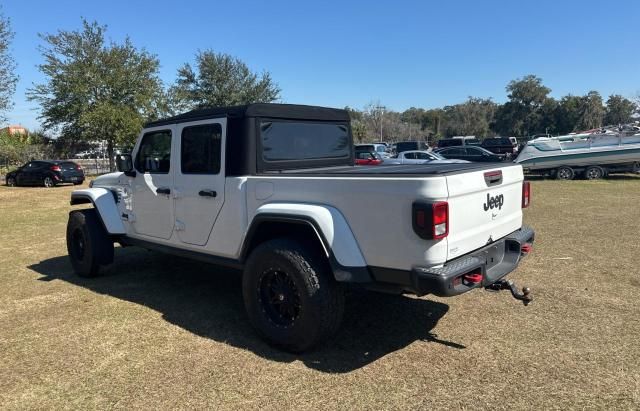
(271, 110)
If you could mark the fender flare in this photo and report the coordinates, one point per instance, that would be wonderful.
(104, 201)
(333, 231)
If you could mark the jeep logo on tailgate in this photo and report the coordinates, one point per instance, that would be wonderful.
(494, 202)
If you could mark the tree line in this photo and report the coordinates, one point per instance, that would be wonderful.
(528, 111)
(99, 90)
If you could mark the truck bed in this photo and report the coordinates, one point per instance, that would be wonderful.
(393, 170)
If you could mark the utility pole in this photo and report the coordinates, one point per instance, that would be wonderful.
(381, 110)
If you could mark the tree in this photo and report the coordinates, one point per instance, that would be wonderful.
(220, 80)
(523, 114)
(619, 110)
(8, 79)
(568, 114)
(97, 91)
(591, 112)
(473, 117)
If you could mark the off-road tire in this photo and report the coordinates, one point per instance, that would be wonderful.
(320, 297)
(11, 182)
(88, 243)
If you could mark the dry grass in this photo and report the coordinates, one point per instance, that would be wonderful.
(160, 332)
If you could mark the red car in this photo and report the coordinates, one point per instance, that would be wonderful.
(366, 158)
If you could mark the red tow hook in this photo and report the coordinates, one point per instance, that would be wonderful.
(473, 278)
(526, 248)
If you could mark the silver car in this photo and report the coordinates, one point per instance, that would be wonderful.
(421, 157)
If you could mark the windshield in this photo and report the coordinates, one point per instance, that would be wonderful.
(380, 149)
(437, 156)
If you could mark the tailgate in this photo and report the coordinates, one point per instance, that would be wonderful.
(483, 209)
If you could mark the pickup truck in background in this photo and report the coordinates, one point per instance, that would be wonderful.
(272, 190)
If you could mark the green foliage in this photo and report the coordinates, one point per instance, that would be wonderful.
(619, 110)
(471, 118)
(96, 90)
(220, 80)
(8, 78)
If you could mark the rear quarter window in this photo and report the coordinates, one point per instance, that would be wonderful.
(299, 141)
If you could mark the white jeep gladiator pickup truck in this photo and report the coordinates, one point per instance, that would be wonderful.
(272, 189)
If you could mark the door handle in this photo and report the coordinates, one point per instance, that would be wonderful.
(207, 193)
(163, 190)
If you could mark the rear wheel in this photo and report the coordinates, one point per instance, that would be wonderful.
(290, 295)
(594, 173)
(88, 243)
(565, 173)
(48, 182)
(11, 181)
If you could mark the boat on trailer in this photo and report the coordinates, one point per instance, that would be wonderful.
(593, 155)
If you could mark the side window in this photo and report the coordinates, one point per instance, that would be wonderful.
(200, 149)
(455, 152)
(410, 156)
(422, 156)
(154, 154)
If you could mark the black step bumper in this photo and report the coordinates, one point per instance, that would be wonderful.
(492, 262)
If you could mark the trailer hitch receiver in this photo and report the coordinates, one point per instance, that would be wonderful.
(524, 296)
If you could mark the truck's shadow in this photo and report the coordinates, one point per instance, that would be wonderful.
(196, 297)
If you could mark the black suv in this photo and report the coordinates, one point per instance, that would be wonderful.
(499, 145)
(46, 173)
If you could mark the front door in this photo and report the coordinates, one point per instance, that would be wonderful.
(199, 178)
(151, 188)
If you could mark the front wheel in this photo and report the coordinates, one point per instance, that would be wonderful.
(290, 295)
(11, 181)
(88, 243)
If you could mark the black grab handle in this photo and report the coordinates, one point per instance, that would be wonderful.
(207, 193)
(163, 191)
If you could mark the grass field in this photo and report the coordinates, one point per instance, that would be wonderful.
(160, 332)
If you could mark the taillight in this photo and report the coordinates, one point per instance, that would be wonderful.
(56, 168)
(526, 194)
(431, 220)
(78, 167)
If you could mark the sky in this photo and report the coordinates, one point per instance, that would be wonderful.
(338, 53)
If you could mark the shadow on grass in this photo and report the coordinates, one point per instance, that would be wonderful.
(207, 301)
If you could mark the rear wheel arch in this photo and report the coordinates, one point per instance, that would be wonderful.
(266, 227)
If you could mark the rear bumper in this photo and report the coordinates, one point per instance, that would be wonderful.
(492, 262)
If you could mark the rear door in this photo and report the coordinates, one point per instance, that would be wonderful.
(199, 179)
(484, 206)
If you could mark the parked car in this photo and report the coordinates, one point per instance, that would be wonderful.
(457, 142)
(468, 140)
(86, 154)
(368, 158)
(402, 146)
(501, 145)
(420, 157)
(290, 209)
(46, 173)
(379, 148)
(469, 153)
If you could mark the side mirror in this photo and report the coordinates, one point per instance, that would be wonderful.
(124, 163)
